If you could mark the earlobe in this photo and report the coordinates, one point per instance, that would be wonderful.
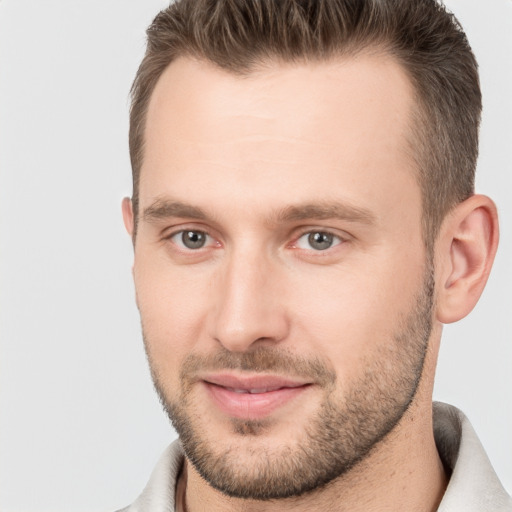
(128, 215)
(465, 253)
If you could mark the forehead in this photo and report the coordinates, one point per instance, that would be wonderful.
(303, 126)
(373, 85)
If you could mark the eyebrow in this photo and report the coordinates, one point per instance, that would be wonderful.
(164, 208)
(324, 211)
(167, 208)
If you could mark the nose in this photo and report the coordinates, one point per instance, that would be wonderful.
(249, 309)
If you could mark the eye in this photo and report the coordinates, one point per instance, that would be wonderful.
(191, 239)
(317, 240)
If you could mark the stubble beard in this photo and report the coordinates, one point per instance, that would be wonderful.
(341, 434)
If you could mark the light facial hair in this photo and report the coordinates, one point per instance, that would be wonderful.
(347, 425)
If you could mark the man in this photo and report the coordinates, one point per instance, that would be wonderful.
(304, 221)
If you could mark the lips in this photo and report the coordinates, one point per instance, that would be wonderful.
(254, 397)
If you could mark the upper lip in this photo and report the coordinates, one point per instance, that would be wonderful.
(254, 383)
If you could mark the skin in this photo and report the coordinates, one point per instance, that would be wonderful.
(245, 150)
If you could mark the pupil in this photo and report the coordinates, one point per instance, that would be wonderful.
(320, 241)
(193, 239)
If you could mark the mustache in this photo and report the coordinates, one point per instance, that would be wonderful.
(260, 360)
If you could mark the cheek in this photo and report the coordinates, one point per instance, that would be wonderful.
(171, 307)
(348, 315)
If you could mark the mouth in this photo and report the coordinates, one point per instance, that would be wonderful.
(253, 397)
(253, 391)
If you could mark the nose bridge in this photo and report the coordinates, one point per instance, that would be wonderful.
(246, 310)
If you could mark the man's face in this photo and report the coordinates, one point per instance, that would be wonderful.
(280, 270)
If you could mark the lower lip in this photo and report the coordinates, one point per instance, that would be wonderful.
(251, 405)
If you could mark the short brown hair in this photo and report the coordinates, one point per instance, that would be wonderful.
(426, 40)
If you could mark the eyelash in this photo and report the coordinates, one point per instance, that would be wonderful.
(333, 239)
(181, 244)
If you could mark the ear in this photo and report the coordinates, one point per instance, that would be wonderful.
(465, 251)
(128, 215)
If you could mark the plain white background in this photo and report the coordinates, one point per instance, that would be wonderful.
(80, 426)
